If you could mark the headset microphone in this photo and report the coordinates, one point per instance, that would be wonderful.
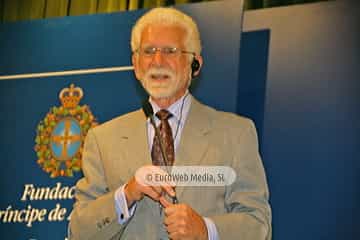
(195, 66)
(147, 108)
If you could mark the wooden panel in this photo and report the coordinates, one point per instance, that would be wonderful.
(181, 1)
(133, 4)
(58, 8)
(31, 9)
(82, 7)
(154, 3)
(10, 10)
(107, 6)
(1, 10)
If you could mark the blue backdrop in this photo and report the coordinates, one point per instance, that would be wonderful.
(296, 75)
(311, 118)
(88, 42)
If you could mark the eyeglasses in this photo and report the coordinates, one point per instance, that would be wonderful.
(170, 52)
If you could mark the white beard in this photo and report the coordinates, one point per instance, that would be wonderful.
(161, 82)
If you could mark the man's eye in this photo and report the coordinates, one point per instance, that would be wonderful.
(170, 50)
(149, 51)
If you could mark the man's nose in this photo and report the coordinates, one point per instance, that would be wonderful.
(158, 58)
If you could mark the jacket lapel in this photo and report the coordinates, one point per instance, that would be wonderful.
(137, 150)
(193, 143)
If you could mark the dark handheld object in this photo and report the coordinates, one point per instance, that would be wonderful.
(149, 113)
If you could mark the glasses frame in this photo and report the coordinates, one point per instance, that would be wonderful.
(166, 51)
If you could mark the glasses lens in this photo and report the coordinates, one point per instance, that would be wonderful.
(148, 51)
(165, 51)
(169, 50)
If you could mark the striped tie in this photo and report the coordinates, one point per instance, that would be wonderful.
(166, 138)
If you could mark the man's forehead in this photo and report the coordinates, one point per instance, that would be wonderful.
(163, 32)
(163, 27)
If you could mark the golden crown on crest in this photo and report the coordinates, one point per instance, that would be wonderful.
(70, 97)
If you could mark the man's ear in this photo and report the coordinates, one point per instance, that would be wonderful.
(135, 60)
(200, 62)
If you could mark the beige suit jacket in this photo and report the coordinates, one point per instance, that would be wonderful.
(114, 151)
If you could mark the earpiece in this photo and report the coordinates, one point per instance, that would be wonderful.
(195, 66)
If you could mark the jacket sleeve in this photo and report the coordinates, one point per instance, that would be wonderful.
(94, 215)
(248, 214)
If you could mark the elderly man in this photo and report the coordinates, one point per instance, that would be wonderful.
(112, 204)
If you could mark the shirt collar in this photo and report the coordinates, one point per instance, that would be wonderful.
(175, 108)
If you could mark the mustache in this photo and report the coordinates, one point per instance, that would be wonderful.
(156, 72)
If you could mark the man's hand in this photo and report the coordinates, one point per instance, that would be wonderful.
(137, 187)
(183, 223)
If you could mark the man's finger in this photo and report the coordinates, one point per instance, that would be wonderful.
(171, 221)
(175, 235)
(172, 228)
(149, 191)
(164, 202)
(171, 209)
(169, 190)
(157, 189)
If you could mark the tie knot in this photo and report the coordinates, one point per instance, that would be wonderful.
(163, 114)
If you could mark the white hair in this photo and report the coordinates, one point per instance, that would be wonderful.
(168, 16)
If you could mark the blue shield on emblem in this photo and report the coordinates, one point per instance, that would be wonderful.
(66, 139)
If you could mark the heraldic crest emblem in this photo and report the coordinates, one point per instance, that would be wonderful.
(60, 135)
